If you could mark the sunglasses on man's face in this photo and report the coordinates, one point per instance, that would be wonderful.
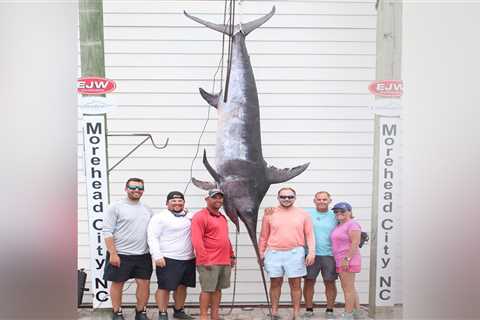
(340, 211)
(135, 188)
(287, 197)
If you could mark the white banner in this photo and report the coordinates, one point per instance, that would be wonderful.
(95, 156)
(388, 192)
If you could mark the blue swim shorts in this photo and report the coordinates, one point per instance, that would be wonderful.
(289, 262)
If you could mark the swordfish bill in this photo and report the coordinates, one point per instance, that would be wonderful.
(241, 172)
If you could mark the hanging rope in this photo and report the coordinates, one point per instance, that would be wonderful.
(230, 48)
(219, 67)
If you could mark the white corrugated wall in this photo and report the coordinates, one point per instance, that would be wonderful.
(312, 61)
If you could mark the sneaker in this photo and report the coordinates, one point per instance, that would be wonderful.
(118, 315)
(346, 315)
(180, 314)
(308, 314)
(141, 315)
(330, 315)
(358, 314)
(162, 315)
(273, 317)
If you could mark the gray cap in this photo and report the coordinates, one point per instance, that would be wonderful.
(212, 193)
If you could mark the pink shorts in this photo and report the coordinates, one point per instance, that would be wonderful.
(354, 269)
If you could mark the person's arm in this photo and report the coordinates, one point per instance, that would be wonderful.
(114, 258)
(198, 230)
(264, 235)
(154, 233)
(109, 222)
(354, 235)
(310, 238)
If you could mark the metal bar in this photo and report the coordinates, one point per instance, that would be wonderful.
(148, 137)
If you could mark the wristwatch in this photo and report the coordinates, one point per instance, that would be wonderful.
(347, 259)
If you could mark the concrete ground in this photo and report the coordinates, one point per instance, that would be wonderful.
(227, 313)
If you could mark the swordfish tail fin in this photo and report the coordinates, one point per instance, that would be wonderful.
(275, 175)
(252, 25)
(222, 28)
(246, 28)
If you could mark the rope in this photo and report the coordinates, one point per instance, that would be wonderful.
(219, 67)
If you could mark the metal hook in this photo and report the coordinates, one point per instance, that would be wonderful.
(148, 137)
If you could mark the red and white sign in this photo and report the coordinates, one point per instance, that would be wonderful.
(387, 88)
(95, 85)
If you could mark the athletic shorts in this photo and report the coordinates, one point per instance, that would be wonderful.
(325, 265)
(175, 273)
(131, 267)
(289, 262)
(214, 278)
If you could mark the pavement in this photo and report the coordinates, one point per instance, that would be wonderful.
(248, 313)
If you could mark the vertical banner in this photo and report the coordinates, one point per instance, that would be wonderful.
(96, 172)
(387, 190)
(385, 206)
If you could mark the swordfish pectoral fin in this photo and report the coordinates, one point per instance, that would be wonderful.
(252, 25)
(204, 185)
(210, 169)
(212, 99)
(275, 175)
(222, 28)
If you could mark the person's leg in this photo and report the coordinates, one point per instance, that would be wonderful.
(161, 298)
(179, 296)
(215, 307)
(347, 280)
(331, 293)
(357, 301)
(296, 294)
(205, 298)
(275, 291)
(143, 293)
(308, 292)
(116, 290)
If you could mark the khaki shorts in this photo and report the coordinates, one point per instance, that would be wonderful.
(217, 278)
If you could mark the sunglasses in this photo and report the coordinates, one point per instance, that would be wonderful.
(339, 211)
(135, 188)
(287, 197)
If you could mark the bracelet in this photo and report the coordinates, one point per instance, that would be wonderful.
(233, 257)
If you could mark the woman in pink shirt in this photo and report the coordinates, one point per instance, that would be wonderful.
(345, 240)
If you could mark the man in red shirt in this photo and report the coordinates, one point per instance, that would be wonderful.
(214, 254)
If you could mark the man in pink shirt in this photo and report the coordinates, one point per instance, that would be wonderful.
(214, 253)
(281, 246)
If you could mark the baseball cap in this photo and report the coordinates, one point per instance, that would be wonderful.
(175, 195)
(213, 192)
(342, 206)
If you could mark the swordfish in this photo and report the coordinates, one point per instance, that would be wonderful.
(241, 171)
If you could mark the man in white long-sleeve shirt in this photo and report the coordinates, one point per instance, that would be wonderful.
(124, 230)
(169, 240)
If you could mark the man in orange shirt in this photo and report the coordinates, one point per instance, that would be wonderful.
(281, 246)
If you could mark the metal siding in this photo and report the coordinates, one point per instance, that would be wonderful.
(312, 61)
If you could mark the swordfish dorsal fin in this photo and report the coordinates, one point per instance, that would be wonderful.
(246, 28)
(204, 185)
(275, 175)
(212, 99)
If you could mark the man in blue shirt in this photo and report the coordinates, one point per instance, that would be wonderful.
(324, 222)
